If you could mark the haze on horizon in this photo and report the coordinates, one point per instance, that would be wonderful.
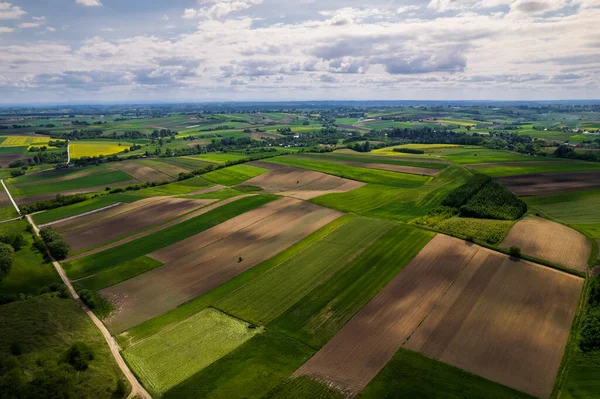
(269, 50)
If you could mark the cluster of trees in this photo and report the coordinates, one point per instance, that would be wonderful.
(433, 135)
(565, 151)
(590, 332)
(7, 257)
(136, 187)
(51, 157)
(409, 150)
(221, 127)
(56, 244)
(482, 198)
(56, 202)
(94, 134)
(60, 378)
(207, 136)
(364, 147)
(96, 302)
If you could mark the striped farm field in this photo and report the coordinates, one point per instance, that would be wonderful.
(372, 176)
(269, 295)
(171, 356)
(440, 305)
(22, 141)
(233, 175)
(81, 149)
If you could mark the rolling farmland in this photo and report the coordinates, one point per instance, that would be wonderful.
(251, 253)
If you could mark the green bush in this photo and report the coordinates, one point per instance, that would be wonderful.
(7, 256)
(79, 355)
(590, 332)
(96, 302)
(15, 240)
(56, 244)
(409, 150)
(515, 251)
(461, 195)
(58, 201)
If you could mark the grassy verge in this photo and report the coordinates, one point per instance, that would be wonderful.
(117, 274)
(144, 245)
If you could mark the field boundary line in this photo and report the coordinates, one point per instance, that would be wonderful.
(10, 220)
(155, 229)
(80, 215)
(441, 296)
(10, 197)
(136, 388)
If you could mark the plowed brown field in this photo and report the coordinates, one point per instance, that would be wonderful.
(369, 340)
(122, 220)
(141, 172)
(299, 183)
(200, 263)
(396, 168)
(551, 183)
(505, 320)
(468, 306)
(551, 241)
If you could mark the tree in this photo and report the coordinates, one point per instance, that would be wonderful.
(56, 244)
(79, 355)
(515, 251)
(7, 256)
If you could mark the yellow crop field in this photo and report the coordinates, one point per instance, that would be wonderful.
(22, 141)
(96, 148)
(424, 147)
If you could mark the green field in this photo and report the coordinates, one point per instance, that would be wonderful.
(411, 375)
(269, 295)
(582, 381)
(81, 207)
(30, 273)
(413, 204)
(573, 166)
(304, 388)
(373, 176)
(344, 156)
(171, 356)
(219, 158)
(115, 275)
(578, 209)
(234, 175)
(113, 257)
(251, 371)
(187, 162)
(45, 327)
(484, 230)
(320, 314)
(94, 180)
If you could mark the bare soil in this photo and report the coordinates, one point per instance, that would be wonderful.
(551, 241)
(369, 340)
(7, 159)
(299, 183)
(504, 319)
(551, 183)
(205, 261)
(141, 172)
(120, 221)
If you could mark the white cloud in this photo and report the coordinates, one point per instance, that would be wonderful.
(4, 29)
(9, 11)
(164, 18)
(405, 9)
(51, 29)
(89, 3)
(30, 24)
(216, 9)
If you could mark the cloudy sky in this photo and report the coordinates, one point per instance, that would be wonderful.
(216, 50)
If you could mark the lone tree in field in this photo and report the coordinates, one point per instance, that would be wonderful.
(515, 251)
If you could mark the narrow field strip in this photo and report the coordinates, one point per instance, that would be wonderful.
(323, 312)
(234, 175)
(192, 307)
(163, 237)
(190, 269)
(355, 173)
(271, 294)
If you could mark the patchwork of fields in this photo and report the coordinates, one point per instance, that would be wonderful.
(318, 275)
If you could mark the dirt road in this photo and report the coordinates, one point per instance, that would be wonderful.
(137, 390)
